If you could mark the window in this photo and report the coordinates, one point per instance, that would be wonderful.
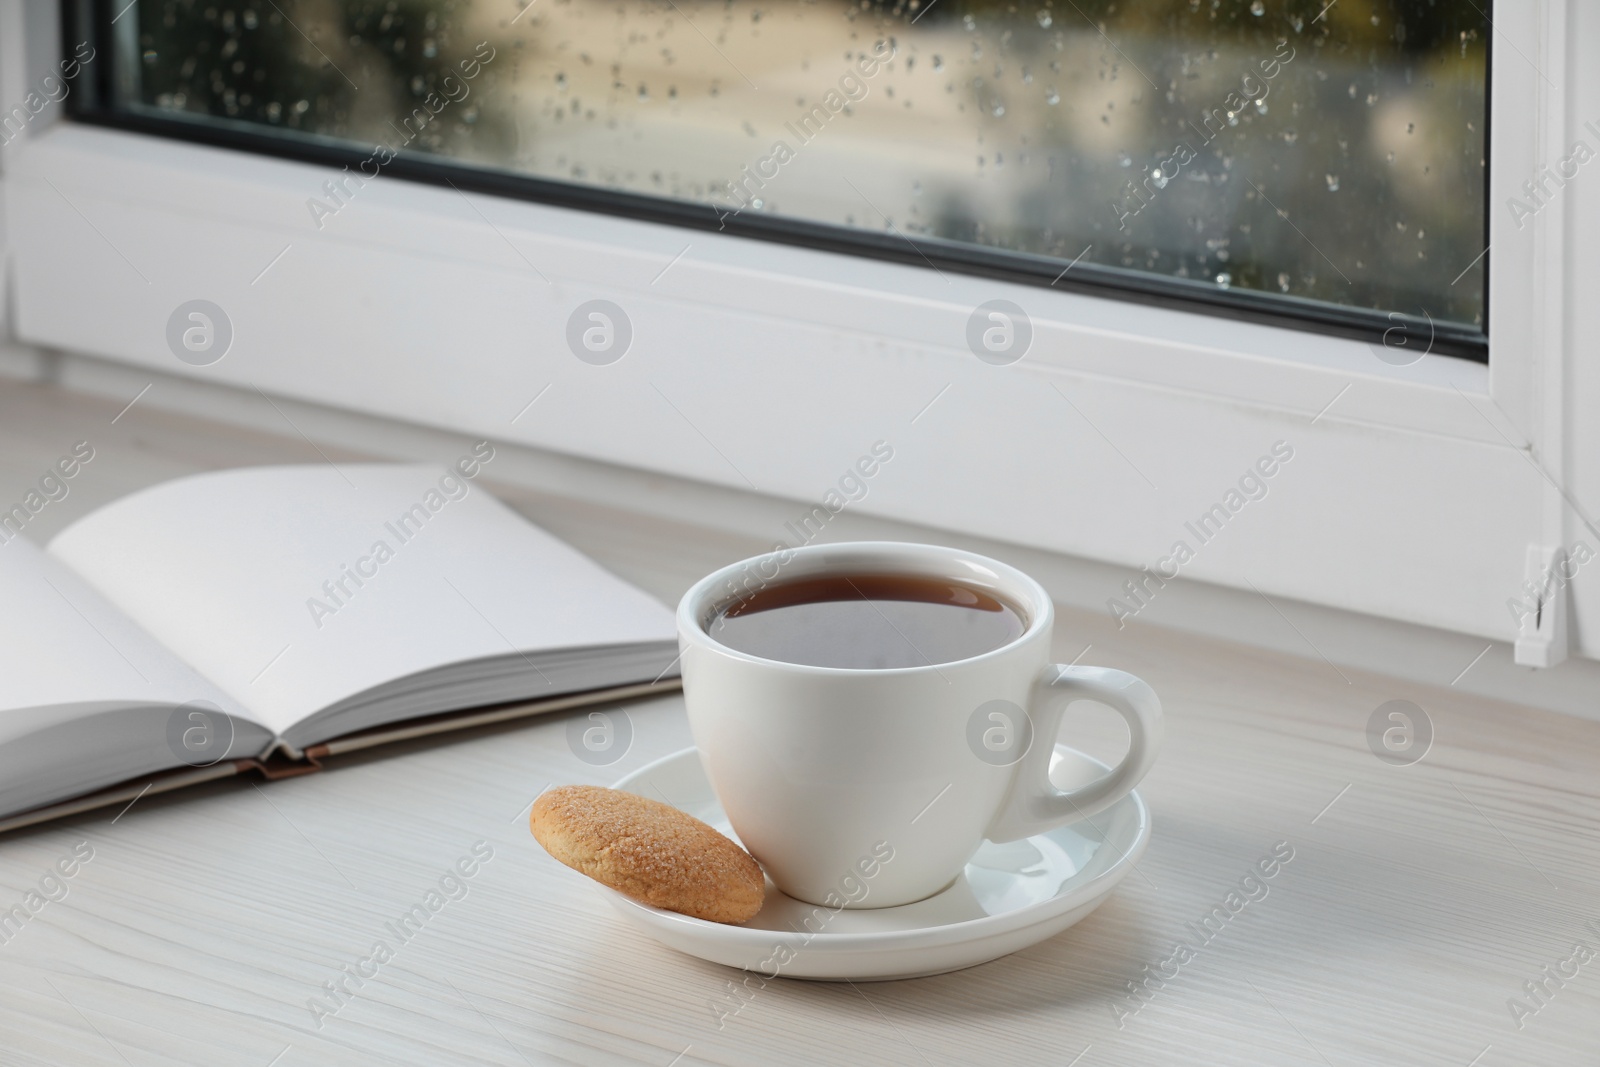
(1277, 159)
(767, 355)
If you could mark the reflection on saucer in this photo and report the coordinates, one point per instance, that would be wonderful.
(1009, 896)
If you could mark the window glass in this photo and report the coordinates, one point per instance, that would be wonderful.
(1325, 151)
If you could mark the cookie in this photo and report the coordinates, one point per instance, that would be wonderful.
(649, 851)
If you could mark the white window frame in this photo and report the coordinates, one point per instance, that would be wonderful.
(766, 366)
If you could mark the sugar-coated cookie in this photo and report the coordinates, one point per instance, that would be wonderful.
(649, 851)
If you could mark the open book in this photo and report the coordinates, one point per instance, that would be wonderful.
(268, 617)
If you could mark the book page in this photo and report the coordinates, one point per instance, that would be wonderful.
(294, 588)
(63, 646)
(87, 698)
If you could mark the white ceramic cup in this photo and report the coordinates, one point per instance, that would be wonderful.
(825, 770)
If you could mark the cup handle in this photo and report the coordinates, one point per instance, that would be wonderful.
(1034, 805)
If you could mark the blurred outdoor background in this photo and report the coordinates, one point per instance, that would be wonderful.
(1021, 126)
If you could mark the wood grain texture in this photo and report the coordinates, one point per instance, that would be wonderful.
(1419, 899)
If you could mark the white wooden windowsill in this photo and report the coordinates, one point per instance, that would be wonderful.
(1253, 618)
(1418, 901)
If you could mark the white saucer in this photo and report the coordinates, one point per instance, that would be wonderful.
(1009, 897)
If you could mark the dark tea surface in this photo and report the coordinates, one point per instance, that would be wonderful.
(867, 621)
